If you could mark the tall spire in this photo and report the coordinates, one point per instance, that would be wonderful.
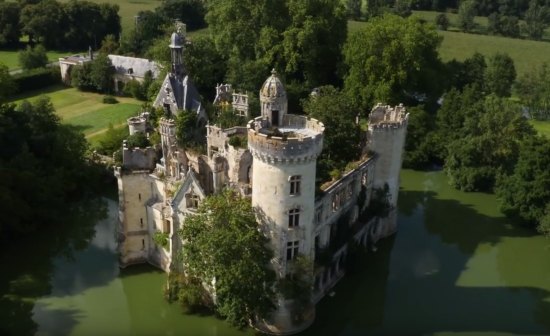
(177, 43)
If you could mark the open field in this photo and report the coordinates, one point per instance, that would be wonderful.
(543, 127)
(10, 58)
(481, 22)
(526, 54)
(86, 110)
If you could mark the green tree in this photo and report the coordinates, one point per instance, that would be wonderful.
(354, 9)
(342, 141)
(544, 224)
(525, 193)
(32, 58)
(186, 129)
(419, 150)
(111, 141)
(43, 22)
(101, 73)
(190, 12)
(466, 15)
(534, 90)
(536, 20)
(10, 29)
(42, 167)
(313, 41)
(204, 64)
(500, 75)
(137, 140)
(223, 242)
(379, 71)
(109, 45)
(489, 145)
(7, 84)
(442, 21)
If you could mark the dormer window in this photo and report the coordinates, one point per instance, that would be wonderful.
(130, 71)
(192, 200)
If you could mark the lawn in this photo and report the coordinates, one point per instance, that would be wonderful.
(129, 9)
(543, 127)
(86, 110)
(526, 54)
(11, 57)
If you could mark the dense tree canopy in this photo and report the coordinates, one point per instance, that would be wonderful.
(534, 90)
(7, 84)
(342, 141)
(500, 75)
(223, 242)
(10, 29)
(392, 60)
(33, 58)
(42, 166)
(525, 193)
(487, 145)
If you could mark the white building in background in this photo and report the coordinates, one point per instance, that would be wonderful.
(277, 170)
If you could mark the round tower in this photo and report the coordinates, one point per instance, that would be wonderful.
(285, 148)
(137, 124)
(386, 137)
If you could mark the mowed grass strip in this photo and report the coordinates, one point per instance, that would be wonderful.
(86, 110)
(526, 54)
(129, 9)
(543, 127)
(10, 58)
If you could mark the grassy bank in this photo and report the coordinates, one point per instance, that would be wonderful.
(543, 127)
(10, 58)
(86, 110)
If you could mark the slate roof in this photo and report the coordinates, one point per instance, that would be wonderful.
(139, 66)
(181, 94)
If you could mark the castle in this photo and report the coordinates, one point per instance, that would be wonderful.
(276, 171)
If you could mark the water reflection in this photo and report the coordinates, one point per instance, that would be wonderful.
(28, 266)
(456, 265)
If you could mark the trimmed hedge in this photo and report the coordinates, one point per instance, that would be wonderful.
(37, 79)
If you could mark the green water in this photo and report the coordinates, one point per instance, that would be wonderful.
(456, 266)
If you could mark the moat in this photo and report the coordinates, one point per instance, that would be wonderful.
(456, 265)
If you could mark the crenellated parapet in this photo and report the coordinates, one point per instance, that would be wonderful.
(298, 139)
(387, 117)
(138, 158)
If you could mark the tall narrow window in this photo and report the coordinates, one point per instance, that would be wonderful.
(292, 249)
(143, 244)
(139, 196)
(295, 184)
(293, 217)
(141, 222)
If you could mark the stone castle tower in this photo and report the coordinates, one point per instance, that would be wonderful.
(284, 148)
(386, 137)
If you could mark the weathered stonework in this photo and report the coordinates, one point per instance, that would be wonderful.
(277, 169)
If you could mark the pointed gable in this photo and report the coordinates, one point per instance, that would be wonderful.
(189, 192)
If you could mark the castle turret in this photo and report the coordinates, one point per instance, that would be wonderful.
(285, 148)
(386, 137)
(177, 42)
(274, 103)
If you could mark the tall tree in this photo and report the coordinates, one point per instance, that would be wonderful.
(466, 15)
(403, 70)
(488, 147)
(525, 193)
(190, 12)
(342, 140)
(313, 41)
(536, 20)
(33, 58)
(354, 9)
(101, 73)
(10, 29)
(44, 22)
(7, 84)
(223, 242)
(534, 90)
(500, 75)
